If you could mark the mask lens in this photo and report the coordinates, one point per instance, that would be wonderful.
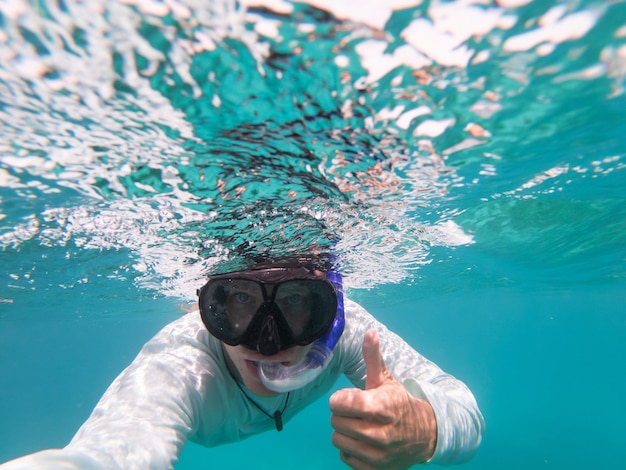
(229, 305)
(308, 306)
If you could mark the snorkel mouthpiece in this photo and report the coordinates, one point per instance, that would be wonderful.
(280, 378)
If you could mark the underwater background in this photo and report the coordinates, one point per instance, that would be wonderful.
(465, 160)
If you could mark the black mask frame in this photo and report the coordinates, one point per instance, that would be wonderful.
(268, 330)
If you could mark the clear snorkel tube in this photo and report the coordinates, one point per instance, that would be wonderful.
(280, 378)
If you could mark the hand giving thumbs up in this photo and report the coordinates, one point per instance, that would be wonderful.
(382, 426)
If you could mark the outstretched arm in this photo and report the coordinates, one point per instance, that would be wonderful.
(143, 419)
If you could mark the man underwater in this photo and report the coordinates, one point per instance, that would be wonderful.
(268, 341)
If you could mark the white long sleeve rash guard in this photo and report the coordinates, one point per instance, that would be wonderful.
(179, 388)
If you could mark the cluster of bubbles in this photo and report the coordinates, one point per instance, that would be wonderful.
(199, 137)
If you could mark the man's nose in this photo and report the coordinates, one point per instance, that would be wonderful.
(268, 343)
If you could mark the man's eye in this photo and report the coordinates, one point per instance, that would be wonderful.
(242, 297)
(295, 299)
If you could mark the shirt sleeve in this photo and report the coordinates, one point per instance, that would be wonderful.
(128, 432)
(460, 424)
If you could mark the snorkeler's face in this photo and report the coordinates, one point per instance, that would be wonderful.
(243, 363)
(269, 309)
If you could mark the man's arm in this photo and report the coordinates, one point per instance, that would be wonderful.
(383, 426)
(409, 412)
(143, 419)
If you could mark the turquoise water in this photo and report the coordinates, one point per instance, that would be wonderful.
(472, 183)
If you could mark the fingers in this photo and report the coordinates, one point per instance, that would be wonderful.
(365, 432)
(375, 368)
(354, 462)
(347, 402)
(355, 403)
(383, 426)
(362, 404)
(357, 455)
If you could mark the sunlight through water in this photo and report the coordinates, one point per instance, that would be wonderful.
(197, 136)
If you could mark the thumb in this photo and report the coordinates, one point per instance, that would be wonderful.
(375, 368)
